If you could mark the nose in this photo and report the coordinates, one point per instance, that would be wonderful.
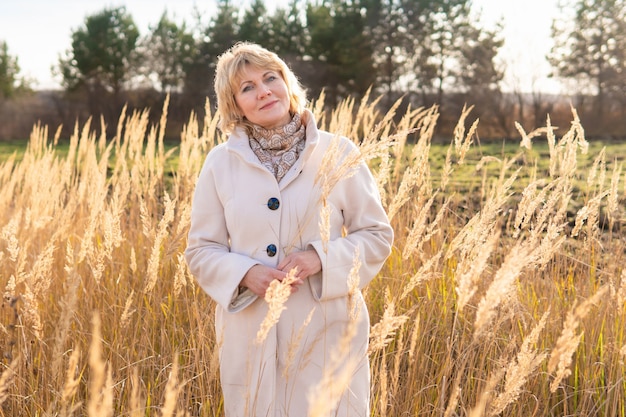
(264, 91)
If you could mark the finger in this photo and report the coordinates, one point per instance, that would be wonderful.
(284, 264)
(279, 275)
(286, 269)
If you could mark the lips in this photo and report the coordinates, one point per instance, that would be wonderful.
(268, 105)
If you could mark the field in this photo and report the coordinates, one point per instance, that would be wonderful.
(504, 295)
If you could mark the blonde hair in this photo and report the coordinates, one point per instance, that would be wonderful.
(230, 66)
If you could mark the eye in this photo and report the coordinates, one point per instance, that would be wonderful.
(271, 78)
(246, 88)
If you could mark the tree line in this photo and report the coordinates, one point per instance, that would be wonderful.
(427, 51)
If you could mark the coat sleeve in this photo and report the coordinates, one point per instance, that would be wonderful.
(366, 228)
(217, 270)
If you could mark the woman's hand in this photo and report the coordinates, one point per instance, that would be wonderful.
(259, 277)
(307, 263)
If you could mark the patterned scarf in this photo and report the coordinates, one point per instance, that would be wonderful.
(278, 149)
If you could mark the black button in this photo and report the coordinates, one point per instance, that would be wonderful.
(273, 203)
(271, 250)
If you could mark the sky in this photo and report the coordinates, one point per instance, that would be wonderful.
(37, 32)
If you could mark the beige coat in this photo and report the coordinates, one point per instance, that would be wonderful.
(232, 226)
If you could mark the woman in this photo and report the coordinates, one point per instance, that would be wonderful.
(256, 217)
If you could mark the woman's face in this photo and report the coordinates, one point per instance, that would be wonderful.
(263, 98)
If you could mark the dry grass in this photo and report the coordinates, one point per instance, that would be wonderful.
(506, 301)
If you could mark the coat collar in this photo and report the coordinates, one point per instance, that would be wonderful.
(238, 143)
